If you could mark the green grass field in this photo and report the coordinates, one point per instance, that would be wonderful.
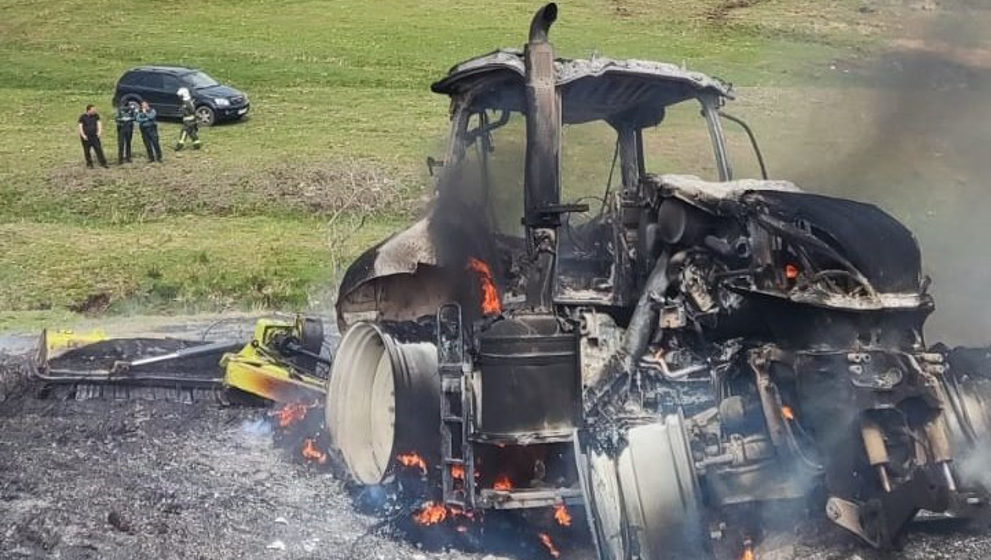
(262, 217)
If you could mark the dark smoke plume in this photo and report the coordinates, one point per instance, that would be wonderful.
(479, 205)
(461, 225)
(923, 155)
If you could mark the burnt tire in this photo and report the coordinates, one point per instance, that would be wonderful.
(383, 399)
(645, 501)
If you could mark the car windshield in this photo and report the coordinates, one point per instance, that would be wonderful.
(199, 80)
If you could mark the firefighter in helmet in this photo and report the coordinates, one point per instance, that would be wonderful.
(189, 125)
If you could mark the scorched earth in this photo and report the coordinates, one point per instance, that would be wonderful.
(104, 479)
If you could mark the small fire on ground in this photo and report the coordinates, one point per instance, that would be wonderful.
(413, 460)
(432, 513)
(312, 453)
(549, 544)
(291, 413)
(436, 514)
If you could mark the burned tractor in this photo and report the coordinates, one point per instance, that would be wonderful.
(671, 352)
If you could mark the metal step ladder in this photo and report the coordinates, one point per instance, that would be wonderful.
(455, 409)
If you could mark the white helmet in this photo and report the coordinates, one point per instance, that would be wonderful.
(183, 93)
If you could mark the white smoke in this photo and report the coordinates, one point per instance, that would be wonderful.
(975, 468)
(257, 428)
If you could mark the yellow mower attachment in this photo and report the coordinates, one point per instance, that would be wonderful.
(92, 365)
(54, 343)
(280, 362)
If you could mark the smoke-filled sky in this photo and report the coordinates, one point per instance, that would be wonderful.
(913, 136)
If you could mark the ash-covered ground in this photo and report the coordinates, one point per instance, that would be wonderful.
(133, 480)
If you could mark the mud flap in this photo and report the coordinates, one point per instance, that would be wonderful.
(643, 502)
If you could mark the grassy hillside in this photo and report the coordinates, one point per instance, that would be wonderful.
(265, 214)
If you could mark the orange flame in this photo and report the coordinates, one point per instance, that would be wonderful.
(491, 303)
(748, 550)
(290, 414)
(791, 271)
(562, 515)
(412, 459)
(502, 483)
(312, 453)
(788, 413)
(430, 514)
(458, 472)
(546, 539)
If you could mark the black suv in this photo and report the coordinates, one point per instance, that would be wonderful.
(158, 86)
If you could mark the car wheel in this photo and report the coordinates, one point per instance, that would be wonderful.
(205, 115)
(128, 99)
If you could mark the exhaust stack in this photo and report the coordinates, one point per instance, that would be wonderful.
(542, 178)
(542, 182)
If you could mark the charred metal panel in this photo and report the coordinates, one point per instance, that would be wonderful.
(531, 386)
(397, 297)
(881, 247)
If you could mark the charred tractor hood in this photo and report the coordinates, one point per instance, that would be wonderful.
(875, 243)
(839, 237)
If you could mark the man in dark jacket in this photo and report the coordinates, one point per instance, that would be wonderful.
(149, 131)
(90, 131)
(190, 128)
(125, 129)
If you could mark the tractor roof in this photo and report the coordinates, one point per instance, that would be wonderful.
(591, 89)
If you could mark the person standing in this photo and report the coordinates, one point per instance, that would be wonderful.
(190, 128)
(125, 130)
(149, 131)
(90, 131)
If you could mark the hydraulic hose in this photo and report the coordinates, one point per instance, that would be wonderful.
(645, 315)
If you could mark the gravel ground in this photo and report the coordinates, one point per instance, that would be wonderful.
(160, 480)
